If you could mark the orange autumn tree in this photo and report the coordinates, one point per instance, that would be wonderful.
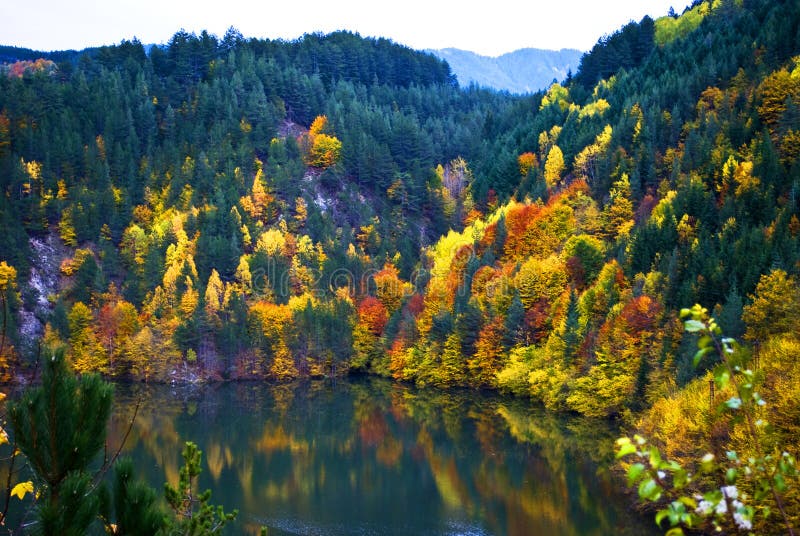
(526, 162)
(373, 315)
(372, 318)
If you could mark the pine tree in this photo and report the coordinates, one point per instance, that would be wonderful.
(61, 427)
(571, 331)
(135, 504)
(193, 515)
(515, 323)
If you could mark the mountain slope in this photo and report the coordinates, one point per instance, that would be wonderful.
(523, 71)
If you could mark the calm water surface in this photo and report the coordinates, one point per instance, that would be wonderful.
(368, 457)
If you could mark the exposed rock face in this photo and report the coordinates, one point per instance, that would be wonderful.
(42, 283)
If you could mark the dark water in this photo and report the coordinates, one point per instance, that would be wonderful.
(364, 457)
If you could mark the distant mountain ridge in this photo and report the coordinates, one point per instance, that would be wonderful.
(523, 71)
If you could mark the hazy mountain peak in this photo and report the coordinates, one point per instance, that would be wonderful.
(521, 71)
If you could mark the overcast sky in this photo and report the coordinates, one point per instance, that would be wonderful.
(489, 27)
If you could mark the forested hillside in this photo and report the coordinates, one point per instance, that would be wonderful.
(241, 208)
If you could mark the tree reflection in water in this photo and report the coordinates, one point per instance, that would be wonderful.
(368, 456)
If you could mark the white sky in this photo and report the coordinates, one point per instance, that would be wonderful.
(489, 27)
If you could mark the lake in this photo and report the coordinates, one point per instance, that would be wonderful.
(371, 457)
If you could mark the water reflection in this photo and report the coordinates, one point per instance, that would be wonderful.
(371, 457)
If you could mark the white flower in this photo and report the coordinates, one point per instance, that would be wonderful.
(742, 521)
(661, 474)
(704, 508)
(730, 491)
(722, 507)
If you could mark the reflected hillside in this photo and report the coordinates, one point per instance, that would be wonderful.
(372, 457)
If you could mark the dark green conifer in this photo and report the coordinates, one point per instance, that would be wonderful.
(60, 427)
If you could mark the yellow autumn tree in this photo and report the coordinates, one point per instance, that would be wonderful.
(586, 162)
(618, 214)
(390, 289)
(86, 352)
(774, 308)
(541, 279)
(259, 204)
(324, 150)
(215, 291)
(554, 166)
(8, 285)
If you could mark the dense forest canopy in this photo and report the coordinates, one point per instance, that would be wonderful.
(233, 207)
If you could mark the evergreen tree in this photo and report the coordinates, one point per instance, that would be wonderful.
(60, 427)
(193, 515)
(571, 330)
(135, 504)
(514, 323)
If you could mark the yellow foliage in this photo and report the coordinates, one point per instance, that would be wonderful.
(390, 289)
(318, 125)
(21, 489)
(8, 277)
(554, 166)
(556, 95)
(681, 422)
(782, 387)
(215, 291)
(325, 151)
(619, 212)
(243, 275)
(607, 387)
(547, 139)
(584, 164)
(774, 309)
(541, 279)
(598, 107)
(743, 177)
(272, 242)
(189, 299)
(283, 367)
(70, 266)
(668, 29)
(298, 303)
